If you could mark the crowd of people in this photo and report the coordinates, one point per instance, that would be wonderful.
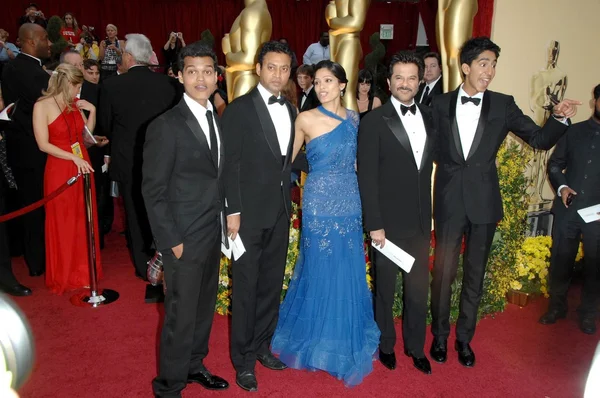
(198, 172)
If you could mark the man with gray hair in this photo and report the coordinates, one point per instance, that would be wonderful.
(128, 103)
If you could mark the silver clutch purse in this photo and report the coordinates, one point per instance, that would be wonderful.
(155, 270)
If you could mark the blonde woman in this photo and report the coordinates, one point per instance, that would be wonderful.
(111, 48)
(58, 125)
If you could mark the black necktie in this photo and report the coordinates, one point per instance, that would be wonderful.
(464, 99)
(425, 94)
(273, 99)
(412, 109)
(214, 148)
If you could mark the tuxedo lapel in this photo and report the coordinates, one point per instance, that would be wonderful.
(194, 126)
(222, 148)
(454, 124)
(395, 125)
(485, 110)
(288, 153)
(267, 125)
(428, 122)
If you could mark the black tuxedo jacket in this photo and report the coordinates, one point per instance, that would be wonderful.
(472, 185)
(128, 103)
(23, 80)
(577, 153)
(181, 185)
(435, 91)
(311, 102)
(257, 181)
(90, 93)
(395, 194)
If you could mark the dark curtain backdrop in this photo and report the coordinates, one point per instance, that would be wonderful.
(301, 22)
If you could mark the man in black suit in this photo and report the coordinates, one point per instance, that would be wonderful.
(432, 79)
(128, 103)
(185, 200)
(395, 159)
(307, 99)
(471, 123)
(23, 80)
(259, 132)
(577, 188)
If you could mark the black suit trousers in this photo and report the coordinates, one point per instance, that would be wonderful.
(415, 289)
(30, 182)
(569, 231)
(138, 226)
(192, 282)
(7, 277)
(478, 241)
(257, 282)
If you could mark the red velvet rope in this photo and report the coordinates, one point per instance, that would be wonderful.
(40, 202)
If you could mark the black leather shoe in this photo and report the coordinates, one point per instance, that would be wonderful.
(466, 356)
(247, 380)
(439, 350)
(587, 325)
(270, 361)
(388, 360)
(552, 316)
(16, 290)
(208, 381)
(421, 364)
(36, 273)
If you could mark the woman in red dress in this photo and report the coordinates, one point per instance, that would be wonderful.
(58, 124)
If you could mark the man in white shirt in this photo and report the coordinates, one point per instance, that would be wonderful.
(432, 79)
(184, 197)
(471, 123)
(396, 145)
(318, 51)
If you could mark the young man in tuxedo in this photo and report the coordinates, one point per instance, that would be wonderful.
(259, 132)
(23, 80)
(471, 123)
(185, 200)
(395, 156)
(432, 79)
(579, 187)
(308, 99)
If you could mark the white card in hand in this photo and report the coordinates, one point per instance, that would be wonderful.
(590, 214)
(105, 168)
(237, 247)
(401, 258)
(226, 251)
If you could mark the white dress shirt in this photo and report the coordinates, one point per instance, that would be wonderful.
(415, 128)
(430, 85)
(31, 56)
(280, 117)
(315, 53)
(467, 118)
(199, 113)
(305, 96)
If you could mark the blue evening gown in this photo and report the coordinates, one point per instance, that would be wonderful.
(326, 320)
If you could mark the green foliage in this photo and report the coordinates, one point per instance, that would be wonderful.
(59, 44)
(207, 38)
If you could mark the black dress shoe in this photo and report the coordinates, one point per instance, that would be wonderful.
(270, 361)
(552, 316)
(16, 290)
(587, 325)
(466, 356)
(208, 381)
(36, 273)
(421, 363)
(388, 360)
(247, 380)
(439, 350)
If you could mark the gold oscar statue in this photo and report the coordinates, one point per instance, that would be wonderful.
(346, 19)
(249, 31)
(454, 26)
(548, 88)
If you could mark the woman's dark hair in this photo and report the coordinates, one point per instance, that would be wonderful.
(406, 57)
(196, 49)
(273, 47)
(474, 47)
(597, 92)
(335, 68)
(365, 76)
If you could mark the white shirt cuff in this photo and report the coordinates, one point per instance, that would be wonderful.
(560, 188)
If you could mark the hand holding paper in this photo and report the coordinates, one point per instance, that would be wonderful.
(401, 258)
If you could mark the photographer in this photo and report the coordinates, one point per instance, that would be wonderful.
(33, 15)
(87, 47)
(110, 49)
(171, 48)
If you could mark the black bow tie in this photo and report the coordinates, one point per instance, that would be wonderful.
(464, 99)
(304, 94)
(273, 99)
(412, 109)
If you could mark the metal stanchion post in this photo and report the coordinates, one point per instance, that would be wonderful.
(96, 297)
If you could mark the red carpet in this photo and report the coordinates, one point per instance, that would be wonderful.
(110, 352)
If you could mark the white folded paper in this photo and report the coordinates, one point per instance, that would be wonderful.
(105, 168)
(401, 258)
(4, 114)
(590, 214)
(236, 247)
